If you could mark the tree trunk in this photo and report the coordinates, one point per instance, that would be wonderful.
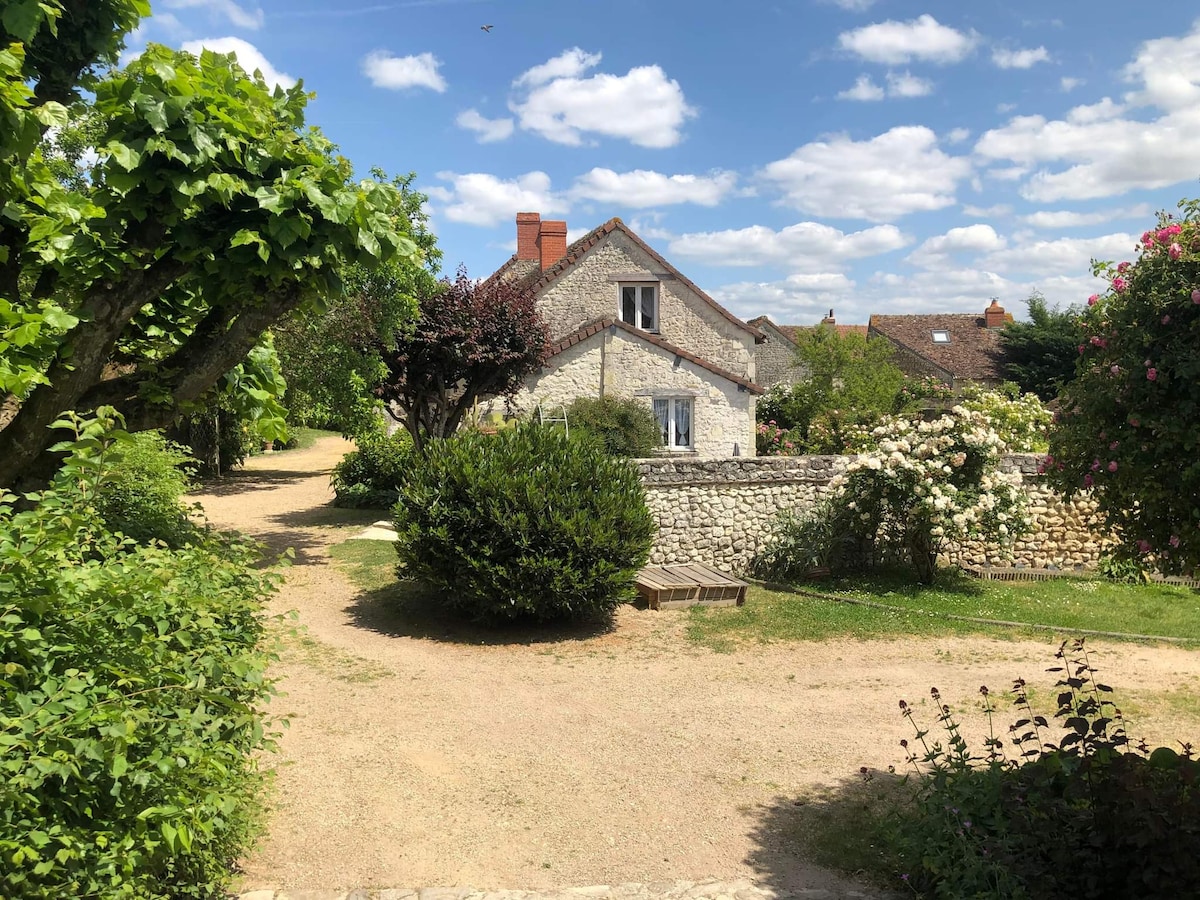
(923, 552)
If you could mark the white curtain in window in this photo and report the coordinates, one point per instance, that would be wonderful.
(648, 308)
(683, 423)
(662, 412)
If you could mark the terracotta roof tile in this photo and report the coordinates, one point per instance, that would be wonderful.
(594, 328)
(973, 352)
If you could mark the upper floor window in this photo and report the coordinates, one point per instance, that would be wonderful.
(639, 306)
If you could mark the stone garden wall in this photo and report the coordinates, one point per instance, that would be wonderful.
(721, 511)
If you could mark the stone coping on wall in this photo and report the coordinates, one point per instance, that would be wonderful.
(776, 469)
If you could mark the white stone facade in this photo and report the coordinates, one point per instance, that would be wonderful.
(616, 363)
(714, 368)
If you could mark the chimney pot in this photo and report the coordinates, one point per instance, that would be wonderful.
(829, 319)
(528, 226)
(994, 316)
(552, 242)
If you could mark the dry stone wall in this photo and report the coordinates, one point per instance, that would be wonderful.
(722, 511)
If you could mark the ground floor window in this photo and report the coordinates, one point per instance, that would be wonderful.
(674, 416)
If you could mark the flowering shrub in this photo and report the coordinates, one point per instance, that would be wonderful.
(929, 483)
(1130, 424)
(925, 390)
(1075, 809)
(771, 440)
(1021, 421)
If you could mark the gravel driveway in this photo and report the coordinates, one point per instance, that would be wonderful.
(417, 757)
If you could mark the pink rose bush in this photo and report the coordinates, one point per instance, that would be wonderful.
(1137, 393)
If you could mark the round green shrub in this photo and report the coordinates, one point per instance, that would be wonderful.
(625, 426)
(525, 524)
(370, 475)
(141, 493)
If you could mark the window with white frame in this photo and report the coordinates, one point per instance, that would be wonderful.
(674, 416)
(639, 306)
(941, 337)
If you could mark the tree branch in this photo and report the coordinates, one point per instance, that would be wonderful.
(106, 309)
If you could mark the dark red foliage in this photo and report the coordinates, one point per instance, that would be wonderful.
(471, 340)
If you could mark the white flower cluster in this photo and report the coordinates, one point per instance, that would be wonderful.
(940, 476)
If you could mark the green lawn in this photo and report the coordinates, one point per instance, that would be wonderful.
(303, 438)
(369, 564)
(783, 614)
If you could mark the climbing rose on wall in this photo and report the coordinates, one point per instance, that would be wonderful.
(931, 483)
(1129, 429)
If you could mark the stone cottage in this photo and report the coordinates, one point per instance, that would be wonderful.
(625, 322)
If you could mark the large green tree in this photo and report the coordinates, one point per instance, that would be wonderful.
(211, 213)
(332, 359)
(1040, 355)
(1129, 429)
(852, 383)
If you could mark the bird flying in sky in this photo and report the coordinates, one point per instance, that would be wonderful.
(486, 28)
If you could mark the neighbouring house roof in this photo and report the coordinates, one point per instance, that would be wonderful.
(791, 332)
(973, 351)
(593, 328)
(532, 278)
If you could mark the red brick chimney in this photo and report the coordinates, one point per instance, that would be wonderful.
(829, 319)
(552, 242)
(528, 226)
(994, 316)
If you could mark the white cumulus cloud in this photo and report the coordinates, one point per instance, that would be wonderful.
(1102, 150)
(249, 58)
(922, 39)
(640, 188)
(899, 84)
(905, 84)
(806, 246)
(864, 90)
(400, 72)
(1062, 218)
(1019, 59)
(935, 252)
(898, 172)
(224, 9)
(643, 106)
(477, 198)
(488, 130)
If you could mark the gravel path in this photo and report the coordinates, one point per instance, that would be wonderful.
(418, 755)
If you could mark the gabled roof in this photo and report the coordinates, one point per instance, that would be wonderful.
(593, 328)
(792, 332)
(537, 281)
(973, 351)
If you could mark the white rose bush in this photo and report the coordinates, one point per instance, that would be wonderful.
(928, 484)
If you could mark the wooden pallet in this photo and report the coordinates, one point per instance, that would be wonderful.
(673, 587)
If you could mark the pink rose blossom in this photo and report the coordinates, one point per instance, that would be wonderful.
(1112, 465)
(1116, 370)
(1144, 546)
(1135, 422)
(1095, 465)
(1166, 320)
(1174, 229)
(1152, 374)
(1123, 268)
(1081, 349)
(1164, 234)
(1092, 299)
(1174, 540)
(1119, 284)
(1174, 251)
(1114, 445)
(1196, 296)
(1088, 480)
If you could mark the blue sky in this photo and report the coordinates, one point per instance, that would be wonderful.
(789, 156)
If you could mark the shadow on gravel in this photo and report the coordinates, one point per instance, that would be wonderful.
(242, 481)
(798, 840)
(409, 609)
